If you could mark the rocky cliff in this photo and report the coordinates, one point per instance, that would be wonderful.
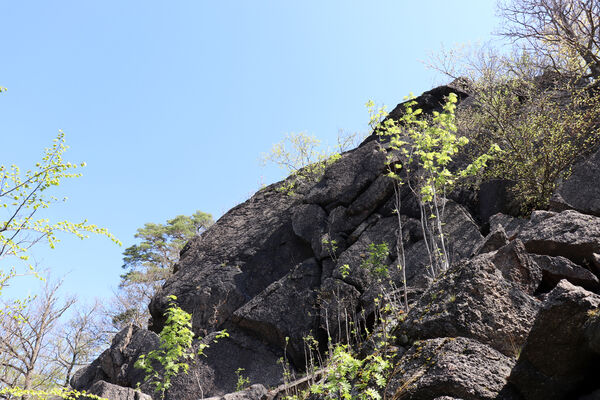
(515, 317)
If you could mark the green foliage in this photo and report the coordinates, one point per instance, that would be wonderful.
(175, 349)
(301, 157)
(242, 381)
(24, 194)
(331, 245)
(375, 263)
(150, 262)
(345, 270)
(160, 245)
(541, 111)
(66, 394)
(541, 130)
(351, 378)
(424, 148)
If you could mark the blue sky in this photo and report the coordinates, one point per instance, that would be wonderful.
(171, 104)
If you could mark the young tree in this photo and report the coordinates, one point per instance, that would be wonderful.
(25, 325)
(25, 195)
(25, 348)
(22, 196)
(567, 32)
(76, 342)
(150, 262)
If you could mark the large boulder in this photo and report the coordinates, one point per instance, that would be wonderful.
(246, 250)
(556, 361)
(114, 392)
(568, 234)
(455, 367)
(345, 179)
(116, 365)
(554, 269)
(580, 191)
(474, 300)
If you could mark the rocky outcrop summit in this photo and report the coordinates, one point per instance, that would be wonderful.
(516, 316)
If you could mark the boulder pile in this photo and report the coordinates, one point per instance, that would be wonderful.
(516, 316)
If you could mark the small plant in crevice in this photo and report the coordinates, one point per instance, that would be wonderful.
(375, 263)
(242, 381)
(331, 246)
(175, 349)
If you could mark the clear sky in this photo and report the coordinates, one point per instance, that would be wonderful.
(172, 103)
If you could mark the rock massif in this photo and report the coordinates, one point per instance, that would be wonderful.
(516, 316)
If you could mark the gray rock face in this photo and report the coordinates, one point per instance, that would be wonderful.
(455, 367)
(493, 241)
(569, 234)
(517, 266)
(474, 300)
(580, 191)
(270, 272)
(348, 177)
(285, 309)
(249, 248)
(512, 226)
(556, 358)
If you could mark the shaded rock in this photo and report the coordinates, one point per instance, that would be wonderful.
(473, 300)
(368, 201)
(384, 231)
(214, 375)
(556, 360)
(338, 220)
(462, 232)
(347, 219)
(595, 395)
(517, 266)
(285, 309)
(495, 197)
(579, 191)
(596, 262)
(569, 234)
(556, 268)
(116, 365)
(115, 392)
(454, 367)
(345, 179)
(309, 222)
(369, 222)
(493, 241)
(254, 392)
(592, 331)
(245, 251)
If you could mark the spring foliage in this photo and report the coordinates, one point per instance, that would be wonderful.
(175, 350)
(301, 156)
(23, 194)
(421, 150)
